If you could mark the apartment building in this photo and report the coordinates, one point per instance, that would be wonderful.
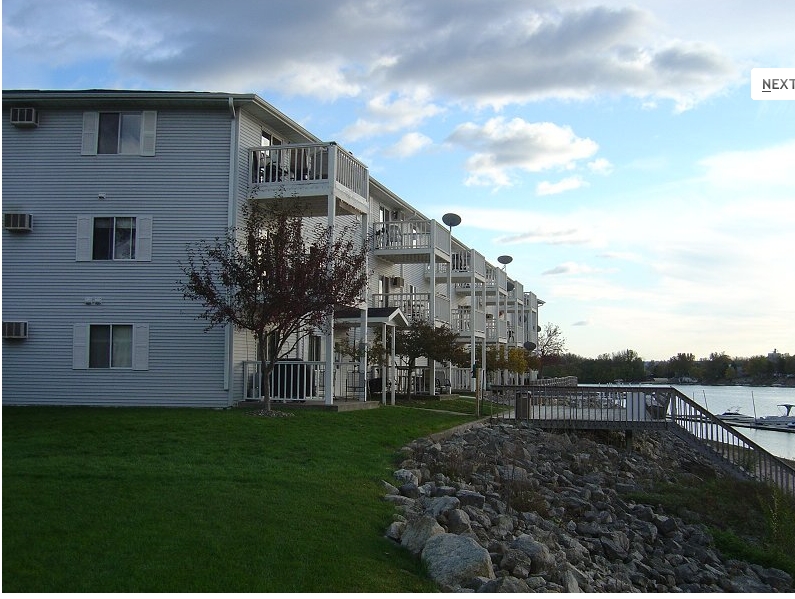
(104, 190)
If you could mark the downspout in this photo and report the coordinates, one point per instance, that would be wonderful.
(231, 221)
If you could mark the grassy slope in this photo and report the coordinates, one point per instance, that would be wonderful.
(197, 500)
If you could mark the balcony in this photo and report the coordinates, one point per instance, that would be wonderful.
(411, 242)
(496, 330)
(516, 296)
(310, 175)
(496, 285)
(463, 322)
(466, 267)
(415, 306)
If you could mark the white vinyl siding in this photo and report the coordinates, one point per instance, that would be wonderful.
(142, 241)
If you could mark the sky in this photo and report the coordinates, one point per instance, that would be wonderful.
(611, 148)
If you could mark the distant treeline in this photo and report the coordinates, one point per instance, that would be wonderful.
(628, 366)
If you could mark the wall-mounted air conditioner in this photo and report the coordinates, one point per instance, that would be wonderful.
(15, 330)
(14, 221)
(24, 117)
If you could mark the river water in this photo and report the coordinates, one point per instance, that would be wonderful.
(759, 401)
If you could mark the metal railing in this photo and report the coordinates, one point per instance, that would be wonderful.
(643, 408)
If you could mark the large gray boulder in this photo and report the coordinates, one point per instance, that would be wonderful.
(540, 557)
(418, 531)
(454, 560)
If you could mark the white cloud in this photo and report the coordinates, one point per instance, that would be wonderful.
(572, 268)
(388, 114)
(546, 188)
(502, 146)
(600, 166)
(409, 144)
(756, 169)
(494, 53)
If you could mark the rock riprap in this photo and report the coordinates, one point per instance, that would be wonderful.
(504, 508)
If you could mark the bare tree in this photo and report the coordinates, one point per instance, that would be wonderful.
(275, 278)
(551, 344)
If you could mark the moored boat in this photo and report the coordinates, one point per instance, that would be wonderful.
(733, 415)
(784, 421)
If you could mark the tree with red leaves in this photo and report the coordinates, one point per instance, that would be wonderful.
(277, 278)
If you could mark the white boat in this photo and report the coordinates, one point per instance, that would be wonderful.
(786, 420)
(734, 415)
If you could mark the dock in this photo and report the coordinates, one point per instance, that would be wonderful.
(643, 408)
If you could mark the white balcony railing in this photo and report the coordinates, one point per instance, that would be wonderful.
(302, 380)
(410, 235)
(415, 306)
(496, 330)
(290, 380)
(308, 163)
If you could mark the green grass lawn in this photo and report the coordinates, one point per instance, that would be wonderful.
(170, 500)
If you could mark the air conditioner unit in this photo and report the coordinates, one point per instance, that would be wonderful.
(397, 281)
(15, 330)
(24, 117)
(17, 221)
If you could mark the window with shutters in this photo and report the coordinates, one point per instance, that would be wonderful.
(114, 238)
(119, 133)
(110, 345)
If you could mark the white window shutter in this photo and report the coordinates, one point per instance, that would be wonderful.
(80, 346)
(85, 225)
(148, 131)
(140, 360)
(143, 243)
(90, 133)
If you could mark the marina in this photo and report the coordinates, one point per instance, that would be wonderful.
(752, 403)
(784, 423)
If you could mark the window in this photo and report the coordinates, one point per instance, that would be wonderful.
(313, 352)
(119, 133)
(114, 238)
(108, 346)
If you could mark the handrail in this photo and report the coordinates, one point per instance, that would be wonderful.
(645, 408)
(730, 444)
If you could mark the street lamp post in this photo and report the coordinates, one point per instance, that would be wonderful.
(451, 220)
(505, 261)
